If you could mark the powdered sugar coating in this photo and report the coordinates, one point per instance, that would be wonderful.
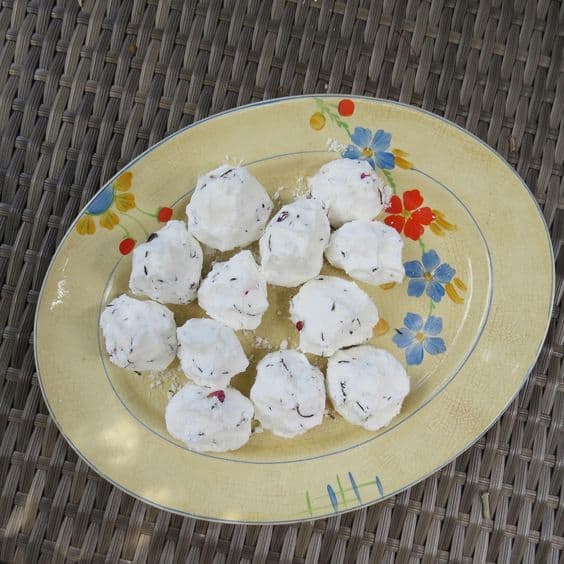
(332, 313)
(167, 268)
(350, 189)
(210, 353)
(366, 385)
(229, 208)
(139, 335)
(235, 293)
(292, 245)
(370, 251)
(288, 393)
(209, 421)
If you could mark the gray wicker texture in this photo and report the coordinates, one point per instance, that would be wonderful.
(84, 89)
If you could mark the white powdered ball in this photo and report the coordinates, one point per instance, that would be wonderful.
(210, 353)
(366, 385)
(350, 189)
(288, 393)
(291, 248)
(332, 313)
(167, 268)
(229, 208)
(234, 292)
(367, 250)
(140, 335)
(209, 421)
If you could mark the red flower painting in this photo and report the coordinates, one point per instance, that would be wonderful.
(409, 216)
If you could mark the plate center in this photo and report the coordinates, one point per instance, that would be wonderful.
(462, 307)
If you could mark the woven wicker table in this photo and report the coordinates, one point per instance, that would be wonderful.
(84, 89)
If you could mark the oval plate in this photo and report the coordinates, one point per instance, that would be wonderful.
(468, 321)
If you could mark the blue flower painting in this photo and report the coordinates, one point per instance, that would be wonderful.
(418, 337)
(428, 275)
(371, 147)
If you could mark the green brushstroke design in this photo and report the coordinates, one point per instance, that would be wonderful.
(308, 502)
(327, 110)
(154, 215)
(125, 230)
(390, 179)
(341, 491)
(135, 220)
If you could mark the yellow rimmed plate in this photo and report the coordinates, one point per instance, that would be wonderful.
(468, 322)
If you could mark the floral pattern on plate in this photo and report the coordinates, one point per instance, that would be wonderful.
(111, 205)
(413, 218)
